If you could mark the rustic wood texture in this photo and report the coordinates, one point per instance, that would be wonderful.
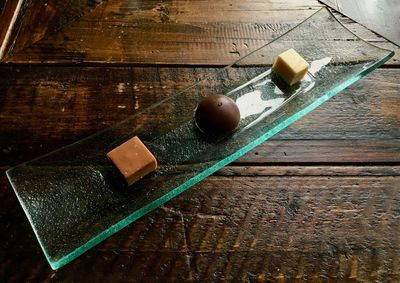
(361, 123)
(313, 227)
(38, 18)
(166, 32)
(317, 203)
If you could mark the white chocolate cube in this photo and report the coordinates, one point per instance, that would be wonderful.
(290, 66)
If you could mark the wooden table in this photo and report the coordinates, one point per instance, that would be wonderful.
(320, 202)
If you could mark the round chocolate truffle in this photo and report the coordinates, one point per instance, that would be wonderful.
(217, 115)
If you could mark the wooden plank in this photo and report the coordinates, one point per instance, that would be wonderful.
(172, 267)
(257, 223)
(233, 227)
(272, 152)
(171, 32)
(10, 205)
(35, 19)
(344, 170)
(44, 108)
(168, 32)
(324, 151)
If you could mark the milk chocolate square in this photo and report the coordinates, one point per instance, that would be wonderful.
(133, 160)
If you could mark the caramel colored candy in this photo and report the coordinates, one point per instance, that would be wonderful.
(290, 66)
(133, 160)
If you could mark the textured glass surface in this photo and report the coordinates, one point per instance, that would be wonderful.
(74, 197)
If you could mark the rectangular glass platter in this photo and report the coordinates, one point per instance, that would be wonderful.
(74, 197)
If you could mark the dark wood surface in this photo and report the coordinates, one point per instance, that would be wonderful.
(155, 32)
(320, 202)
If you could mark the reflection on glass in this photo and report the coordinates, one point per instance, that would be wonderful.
(265, 93)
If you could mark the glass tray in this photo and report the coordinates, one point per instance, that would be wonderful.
(74, 198)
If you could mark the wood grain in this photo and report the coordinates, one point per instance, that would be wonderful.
(166, 32)
(272, 152)
(324, 151)
(38, 18)
(310, 170)
(317, 203)
(297, 226)
(44, 108)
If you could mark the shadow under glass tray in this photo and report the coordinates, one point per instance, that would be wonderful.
(74, 197)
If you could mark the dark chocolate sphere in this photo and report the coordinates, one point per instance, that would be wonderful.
(217, 115)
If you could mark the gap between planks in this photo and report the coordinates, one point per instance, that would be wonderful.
(309, 171)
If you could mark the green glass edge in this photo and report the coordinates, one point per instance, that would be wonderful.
(207, 172)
